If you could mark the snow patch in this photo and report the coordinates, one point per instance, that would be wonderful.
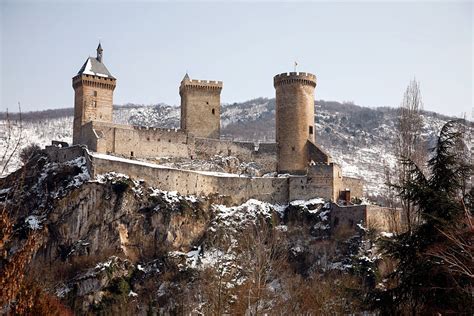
(33, 222)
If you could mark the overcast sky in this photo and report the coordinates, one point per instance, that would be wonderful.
(361, 52)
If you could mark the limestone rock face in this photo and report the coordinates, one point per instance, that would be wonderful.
(112, 218)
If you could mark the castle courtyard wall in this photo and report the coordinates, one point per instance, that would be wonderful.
(131, 141)
(236, 189)
(263, 154)
(142, 142)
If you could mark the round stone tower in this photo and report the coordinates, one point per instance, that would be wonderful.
(294, 120)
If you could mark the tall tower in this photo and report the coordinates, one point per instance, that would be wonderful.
(93, 94)
(294, 120)
(201, 107)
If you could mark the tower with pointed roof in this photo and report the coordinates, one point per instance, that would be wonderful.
(201, 107)
(93, 94)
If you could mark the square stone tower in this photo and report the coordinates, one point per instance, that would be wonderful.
(93, 95)
(201, 107)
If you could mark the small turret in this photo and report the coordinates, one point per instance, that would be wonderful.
(186, 77)
(99, 53)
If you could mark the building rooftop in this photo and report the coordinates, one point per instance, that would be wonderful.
(94, 67)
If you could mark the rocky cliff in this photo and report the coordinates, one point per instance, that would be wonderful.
(114, 245)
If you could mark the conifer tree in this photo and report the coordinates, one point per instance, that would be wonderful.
(424, 279)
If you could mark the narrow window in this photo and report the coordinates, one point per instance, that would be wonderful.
(213, 111)
(95, 93)
(293, 148)
(311, 130)
(131, 154)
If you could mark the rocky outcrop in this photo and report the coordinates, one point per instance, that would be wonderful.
(114, 245)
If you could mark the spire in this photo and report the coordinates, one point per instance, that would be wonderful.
(99, 53)
(186, 77)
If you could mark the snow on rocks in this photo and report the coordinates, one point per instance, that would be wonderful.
(111, 176)
(386, 235)
(33, 222)
(236, 216)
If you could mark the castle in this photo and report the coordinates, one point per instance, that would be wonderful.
(309, 171)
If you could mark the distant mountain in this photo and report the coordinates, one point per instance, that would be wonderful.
(359, 138)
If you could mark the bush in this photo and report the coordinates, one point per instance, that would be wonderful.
(29, 152)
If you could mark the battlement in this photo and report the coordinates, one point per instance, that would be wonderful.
(205, 84)
(93, 81)
(294, 77)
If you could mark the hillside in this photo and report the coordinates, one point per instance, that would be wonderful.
(359, 138)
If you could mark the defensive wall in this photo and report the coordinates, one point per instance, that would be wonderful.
(236, 188)
(347, 218)
(233, 188)
(135, 141)
(263, 154)
(323, 179)
(143, 142)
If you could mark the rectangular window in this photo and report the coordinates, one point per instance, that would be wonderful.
(311, 130)
(95, 93)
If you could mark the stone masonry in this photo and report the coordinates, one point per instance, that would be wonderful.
(201, 107)
(312, 173)
(294, 120)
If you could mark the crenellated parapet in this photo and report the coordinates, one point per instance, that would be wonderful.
(200, 84)
(304, 78)
(93, 81)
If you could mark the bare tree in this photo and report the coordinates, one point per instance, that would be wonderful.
(262, 258)
(12, 145)
(409, 144)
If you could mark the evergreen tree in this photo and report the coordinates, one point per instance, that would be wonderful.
(424, 280)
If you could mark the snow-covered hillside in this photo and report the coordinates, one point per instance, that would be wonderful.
(360, 139)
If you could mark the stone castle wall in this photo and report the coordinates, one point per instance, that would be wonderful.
(346, 218)
(140, 142)
(235, 189)
(264, 154)
(324, 180)
(131, 141)
(355, 185)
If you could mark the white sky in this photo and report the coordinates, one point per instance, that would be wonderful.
(361, 52)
